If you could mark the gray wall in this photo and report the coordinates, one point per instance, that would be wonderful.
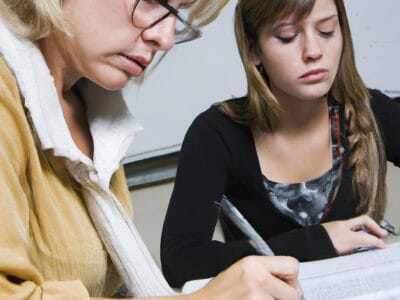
(194, 75)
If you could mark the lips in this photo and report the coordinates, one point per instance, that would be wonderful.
(134, 65)
(314, 76)
(319, 71)
(138, 60)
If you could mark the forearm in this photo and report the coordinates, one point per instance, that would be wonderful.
(305, 244)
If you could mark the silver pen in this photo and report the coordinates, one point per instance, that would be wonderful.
(240, 221)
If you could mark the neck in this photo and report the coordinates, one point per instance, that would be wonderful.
(299, 116)
(73, 108)
(60, 64)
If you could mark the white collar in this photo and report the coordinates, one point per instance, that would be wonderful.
(111, 124)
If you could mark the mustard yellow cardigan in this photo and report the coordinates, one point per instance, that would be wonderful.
(49, 248)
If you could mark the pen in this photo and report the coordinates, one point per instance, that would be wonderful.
(240, 221)
(388, 227)
(383, 224)
(363, 248)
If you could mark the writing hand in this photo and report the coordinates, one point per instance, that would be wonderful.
(255, 277)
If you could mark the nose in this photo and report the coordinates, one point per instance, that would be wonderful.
(162, 34)
(311, 47)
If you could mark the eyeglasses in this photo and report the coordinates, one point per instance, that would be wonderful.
(148, 13)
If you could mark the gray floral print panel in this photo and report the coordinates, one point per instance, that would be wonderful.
(306, 203)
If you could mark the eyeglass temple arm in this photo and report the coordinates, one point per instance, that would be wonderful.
(176, 13)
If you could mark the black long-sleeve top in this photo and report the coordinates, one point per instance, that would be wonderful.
(219, 157)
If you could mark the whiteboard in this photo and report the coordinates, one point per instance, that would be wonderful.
(192, 76)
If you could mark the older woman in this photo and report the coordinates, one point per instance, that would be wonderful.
(65, 228)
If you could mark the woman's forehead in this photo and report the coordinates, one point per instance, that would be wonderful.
(317, 11)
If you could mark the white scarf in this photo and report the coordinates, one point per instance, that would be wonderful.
(112, 128)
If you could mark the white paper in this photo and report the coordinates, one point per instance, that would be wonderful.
(367, 275)
(372, 275)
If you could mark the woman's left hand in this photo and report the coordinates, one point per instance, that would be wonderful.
(347, 235)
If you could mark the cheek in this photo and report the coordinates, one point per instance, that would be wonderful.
(335, 50)
(336, 54)
(280, 64)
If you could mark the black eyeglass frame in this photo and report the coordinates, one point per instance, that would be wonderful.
(197, 33)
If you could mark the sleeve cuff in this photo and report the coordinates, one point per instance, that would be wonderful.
(64, 290)
(305, 244)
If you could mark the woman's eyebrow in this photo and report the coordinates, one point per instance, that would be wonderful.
(289, 23)
(282, 24)
(327, 18)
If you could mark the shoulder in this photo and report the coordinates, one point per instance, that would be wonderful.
(215, 134)
(384, 106)
(387, 114)
(380, 100)
(214, 119)
(14, 125)
(8, 83)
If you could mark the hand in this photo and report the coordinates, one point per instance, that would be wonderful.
(346, 235)
(255, 277)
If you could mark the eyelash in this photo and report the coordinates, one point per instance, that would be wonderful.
(324, 34)
(287, 40)
(327, 34)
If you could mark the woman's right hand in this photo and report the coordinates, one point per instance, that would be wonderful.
(346, 235)
(255, 277)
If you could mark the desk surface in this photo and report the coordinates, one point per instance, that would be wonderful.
(391, 239)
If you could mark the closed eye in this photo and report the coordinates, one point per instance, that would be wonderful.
(327, 34)
(287, 40)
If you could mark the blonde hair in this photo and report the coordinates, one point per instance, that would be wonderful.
(205, 11)
(261, 109)
(35, 19)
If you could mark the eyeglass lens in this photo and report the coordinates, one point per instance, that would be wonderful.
(148, 13)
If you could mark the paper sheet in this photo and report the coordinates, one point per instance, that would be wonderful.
(368, 275)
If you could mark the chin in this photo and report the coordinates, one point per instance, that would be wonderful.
(113, 83)
(314, 92)
(107, 76)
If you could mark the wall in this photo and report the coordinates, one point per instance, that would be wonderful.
(194, 75)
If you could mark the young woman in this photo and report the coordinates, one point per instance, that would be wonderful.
(302, 156)
(65, 228)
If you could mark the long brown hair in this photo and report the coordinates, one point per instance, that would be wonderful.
(261, 109)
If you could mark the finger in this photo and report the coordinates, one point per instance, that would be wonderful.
(280, 289)
(366, 239)
(284, 267)
(357, 222)
(293, 281)
(369, 223)
(287, 269)
(296, 285)
(374, 228)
